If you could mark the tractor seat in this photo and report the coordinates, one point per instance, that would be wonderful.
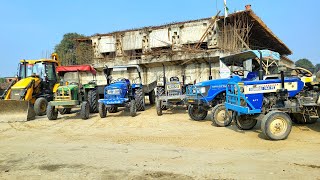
(175, 78)
(251, 76)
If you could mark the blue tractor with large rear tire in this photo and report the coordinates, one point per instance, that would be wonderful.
(276, 102)
(123, 92)
(244, 66)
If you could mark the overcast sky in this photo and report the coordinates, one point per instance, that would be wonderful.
(30, 29)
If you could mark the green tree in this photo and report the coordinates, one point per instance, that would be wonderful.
(305, 63)
(68, 53)
(316, 68)
(84, 53)
(2, 80)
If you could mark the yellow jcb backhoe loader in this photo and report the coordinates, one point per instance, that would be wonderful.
(28, 95)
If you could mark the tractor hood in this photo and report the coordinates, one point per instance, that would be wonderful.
(118, 85)
(68, 87)
(25, 82)
(219, 82)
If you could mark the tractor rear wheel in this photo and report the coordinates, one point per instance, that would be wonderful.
(52, 113)
(112, 109)
(64, 111)
(40, 106)
(139, 100)
(93, 100)
(197, 113)
(220, 116)
(84, 110)
(102, 110)
(276, 125)
(133, 108)
(152, 97)
(246, 122)
(158, 107)
(161, 92)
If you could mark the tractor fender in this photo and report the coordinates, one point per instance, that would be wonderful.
(212, 94)
(55, 87)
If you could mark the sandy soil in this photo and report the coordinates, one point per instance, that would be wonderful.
(147, 147)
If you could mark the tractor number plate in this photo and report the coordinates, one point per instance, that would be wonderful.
(173, 86)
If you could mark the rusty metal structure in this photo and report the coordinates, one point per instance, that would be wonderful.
(190, 48)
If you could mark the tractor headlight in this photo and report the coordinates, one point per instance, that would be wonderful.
(201, 90)
(113, 91)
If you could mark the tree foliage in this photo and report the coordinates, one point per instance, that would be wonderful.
(72, 52)
(305, 63)
(317, 68)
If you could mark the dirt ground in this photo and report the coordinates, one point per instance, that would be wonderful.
(150, 147)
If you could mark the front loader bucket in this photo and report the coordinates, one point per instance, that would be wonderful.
(15, 111)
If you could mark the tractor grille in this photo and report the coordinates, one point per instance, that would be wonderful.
(63, 95)
(15, 94)
(113, 96)
(174, 92)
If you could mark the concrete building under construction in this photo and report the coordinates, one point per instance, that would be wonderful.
(188, 48)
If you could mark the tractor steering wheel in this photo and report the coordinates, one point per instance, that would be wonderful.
(303, 72)
(238, 72)
(121, 79)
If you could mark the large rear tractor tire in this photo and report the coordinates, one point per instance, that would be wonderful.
(197, 113)
(158, 107)
(133, 108)
(112, 109)
(84, 110)
(40, 106)
(52, 113)
(276, 125)
(152, 97)
(64, 111)
(93, 100)
(102, 110)
(139, 100)
(246, 122)
(220, 116)
(161, 92)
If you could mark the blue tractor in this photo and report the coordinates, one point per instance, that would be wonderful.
(209, 94)
(121, 92)
(277, 102)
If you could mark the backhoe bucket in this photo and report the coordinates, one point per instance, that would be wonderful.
(16, 111)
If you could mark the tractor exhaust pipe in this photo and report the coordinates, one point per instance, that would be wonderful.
(260, 68)
(210, 73)
(164, 75)
(282, 79)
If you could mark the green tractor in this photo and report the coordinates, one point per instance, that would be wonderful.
(72, 94)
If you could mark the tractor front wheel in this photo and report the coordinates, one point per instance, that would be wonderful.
(197, 113)
(161, 92)
(220, 116)
(133, 108)
(102, 110)
(158, 107)
(52, 113)
(84, 110)
(276, 125)
(246, 122)
(40, 106)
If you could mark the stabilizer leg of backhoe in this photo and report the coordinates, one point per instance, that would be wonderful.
(16, 111)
